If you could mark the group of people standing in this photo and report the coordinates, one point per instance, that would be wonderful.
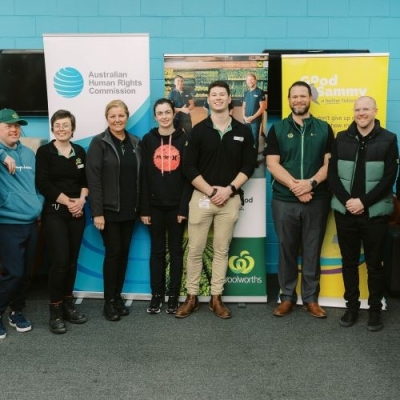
(122, 178)
(171, 176)
(353, 174)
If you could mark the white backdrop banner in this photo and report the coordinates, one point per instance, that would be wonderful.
(84, 72)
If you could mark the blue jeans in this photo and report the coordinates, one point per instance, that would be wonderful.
(15, 240)
(300, 227)
(255, 130)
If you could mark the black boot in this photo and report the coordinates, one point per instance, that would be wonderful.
(71, 313)
(123, 311)
(374, 321)
(57, 324)
(110, 310)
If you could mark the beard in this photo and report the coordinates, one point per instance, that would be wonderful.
(300, 110)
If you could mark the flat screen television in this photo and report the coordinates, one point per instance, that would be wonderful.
(23, 82)
(275, 74)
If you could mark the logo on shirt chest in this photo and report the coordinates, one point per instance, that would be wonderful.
(167, 158)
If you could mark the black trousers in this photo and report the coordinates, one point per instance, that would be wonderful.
(117, 239)
(63, 235)
(354, 231)
(165, 228)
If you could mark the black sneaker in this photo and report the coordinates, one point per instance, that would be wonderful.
(173, 304)
(18, 321)
(348, 319)
(155, 304)
(374, 321)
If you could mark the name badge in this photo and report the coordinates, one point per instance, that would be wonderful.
(204, 203)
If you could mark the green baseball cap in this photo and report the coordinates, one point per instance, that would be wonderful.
(9, 116)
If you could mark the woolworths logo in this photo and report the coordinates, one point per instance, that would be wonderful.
(243, 264)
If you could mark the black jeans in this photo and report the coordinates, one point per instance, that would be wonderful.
(63, 234)
(117, 239)
(354, 231)
(165, 228)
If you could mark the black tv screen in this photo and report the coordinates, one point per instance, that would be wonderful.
(23, 81)
(275, 74)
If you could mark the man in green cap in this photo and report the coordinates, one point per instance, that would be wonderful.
(20, 207)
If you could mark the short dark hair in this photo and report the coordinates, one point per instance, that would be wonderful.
(60, 114)
(300, 83)
(163, 101)
(219, 84)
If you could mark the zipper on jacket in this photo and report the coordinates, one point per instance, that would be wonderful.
(301, 130)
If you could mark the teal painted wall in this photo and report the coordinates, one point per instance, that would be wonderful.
(215, 26)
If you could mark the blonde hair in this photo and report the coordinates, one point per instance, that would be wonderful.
(117, 103)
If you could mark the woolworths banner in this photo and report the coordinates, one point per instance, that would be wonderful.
(84, 73)
(246, 277)
(336, 81)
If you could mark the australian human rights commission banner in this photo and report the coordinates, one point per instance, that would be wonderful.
(246, 276)
(336, 81)
(84, 73)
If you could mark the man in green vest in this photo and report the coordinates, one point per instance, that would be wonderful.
(298, 150)
(361, 175)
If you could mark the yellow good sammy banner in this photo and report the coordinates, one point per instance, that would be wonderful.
(336, 81)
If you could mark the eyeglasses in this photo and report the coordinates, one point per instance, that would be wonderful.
(65, 127)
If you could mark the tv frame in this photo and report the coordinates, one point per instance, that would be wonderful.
(275, 73)
(29, 88)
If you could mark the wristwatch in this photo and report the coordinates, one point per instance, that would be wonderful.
(233, 188)
(313, 183)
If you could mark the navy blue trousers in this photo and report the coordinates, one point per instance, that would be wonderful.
(15, 241)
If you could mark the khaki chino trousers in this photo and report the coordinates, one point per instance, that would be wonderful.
(202, 214)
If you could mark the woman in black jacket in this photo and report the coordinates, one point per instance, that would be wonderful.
(60, 177)
(164, 204)
(113, 170)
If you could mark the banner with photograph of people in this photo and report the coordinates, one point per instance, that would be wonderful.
(187, 78)
(336, 81)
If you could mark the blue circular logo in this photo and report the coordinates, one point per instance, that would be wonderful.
(68, 82)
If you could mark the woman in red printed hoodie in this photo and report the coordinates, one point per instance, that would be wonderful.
(165, 195)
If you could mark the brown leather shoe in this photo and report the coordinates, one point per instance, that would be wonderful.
(218, 307)
(284, 308)
(315, 310)
(190, 305)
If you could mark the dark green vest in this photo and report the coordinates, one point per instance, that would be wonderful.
(301, 154)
